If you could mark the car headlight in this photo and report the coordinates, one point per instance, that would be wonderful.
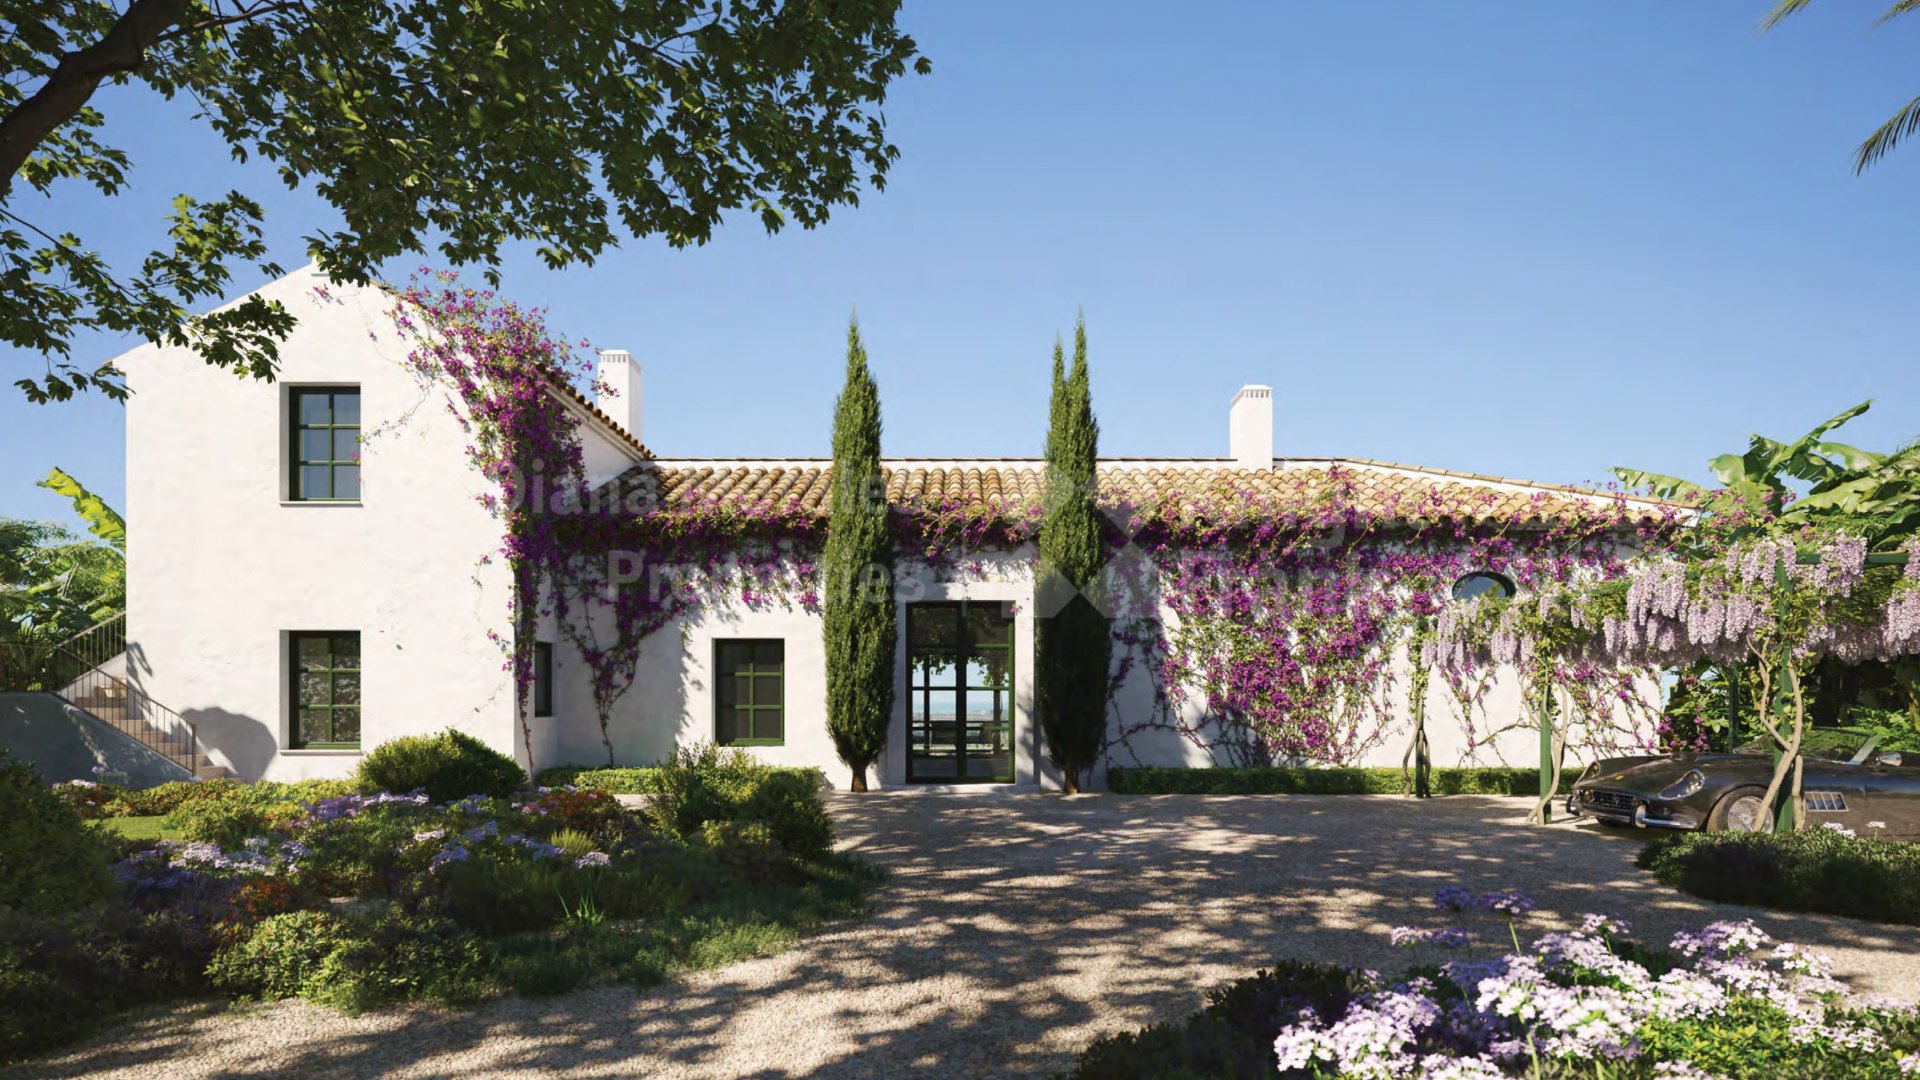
(1688, 783)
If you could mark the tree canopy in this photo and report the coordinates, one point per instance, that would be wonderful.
(467, 124)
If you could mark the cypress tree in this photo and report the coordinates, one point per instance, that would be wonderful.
(858, 569)
(1074, 650)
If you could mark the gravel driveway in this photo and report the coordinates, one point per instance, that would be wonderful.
(1014, 930)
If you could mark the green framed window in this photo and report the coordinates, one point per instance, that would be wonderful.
(326, 689)
(326, 444)
(750, 699)
(542, 678)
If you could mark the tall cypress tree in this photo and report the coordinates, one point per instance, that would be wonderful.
(1075, 645)
(858, 567)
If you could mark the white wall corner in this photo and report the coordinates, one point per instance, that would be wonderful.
(1250, 427)
(620, 373)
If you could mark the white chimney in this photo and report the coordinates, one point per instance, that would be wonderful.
(1250, 428)
(621, 375)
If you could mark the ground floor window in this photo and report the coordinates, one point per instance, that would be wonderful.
(326, 689)
(750, 697)
(960, 692)
(542, 678)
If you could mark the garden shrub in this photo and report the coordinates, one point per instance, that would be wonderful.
(62, 975)
(349, 964)
(49, 860)
(705, 783)
(594, 813)
(447, 766)
(227, 815)
(630, 780)
(1278, 780)
(1822, 870)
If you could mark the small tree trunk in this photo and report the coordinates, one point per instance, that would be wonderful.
(1550, 786)
(1789, 746)
(1799, 803)
(859, 781)
(1070, 780)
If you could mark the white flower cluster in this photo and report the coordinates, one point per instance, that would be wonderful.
(1570, 997)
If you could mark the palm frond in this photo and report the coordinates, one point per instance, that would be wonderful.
(1904, 7)
(1882, 142)
(1781, 12)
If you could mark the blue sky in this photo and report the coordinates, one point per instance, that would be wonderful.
(1528, 239)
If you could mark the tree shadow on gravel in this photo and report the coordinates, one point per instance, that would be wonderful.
(1013, 931)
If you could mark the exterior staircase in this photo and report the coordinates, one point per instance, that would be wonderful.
(77, 672)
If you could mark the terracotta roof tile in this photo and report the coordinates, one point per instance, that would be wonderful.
(1373, 488)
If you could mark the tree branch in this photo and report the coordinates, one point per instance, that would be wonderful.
(122, 49)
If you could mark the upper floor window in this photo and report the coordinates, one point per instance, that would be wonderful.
(326, 689)
(326, 444)
(1498, 586)
(750, 705)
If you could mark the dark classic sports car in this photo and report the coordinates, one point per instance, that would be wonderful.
(1848, 781)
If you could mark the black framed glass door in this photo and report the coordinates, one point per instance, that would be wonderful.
(960, 693)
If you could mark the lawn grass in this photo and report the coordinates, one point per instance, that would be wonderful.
(141, 828)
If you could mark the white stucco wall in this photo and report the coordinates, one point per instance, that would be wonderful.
(221, 566)
(671, 703)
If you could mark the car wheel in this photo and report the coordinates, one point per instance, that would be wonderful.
(1740, 810)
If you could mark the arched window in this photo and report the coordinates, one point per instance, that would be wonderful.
(1481, 583)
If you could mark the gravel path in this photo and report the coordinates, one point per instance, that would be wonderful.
(1015, 929)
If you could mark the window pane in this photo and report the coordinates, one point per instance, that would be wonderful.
(939, 670)
(730, 656)
(315, 444)
(766, 690)
(346, 725)
(935, 625)
(727, 726)
(346, 650)
(311, 726)
(311, 650)
(313, 688)
(346, 444)
(346, 407)
(310, 407)
(313, 483)
(346, 688)
(729, 686)
(346, 481)
(767, 724)
(769, 655)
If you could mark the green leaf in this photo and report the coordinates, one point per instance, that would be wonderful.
(102, 520)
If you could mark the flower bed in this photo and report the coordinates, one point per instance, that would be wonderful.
(356, 899)
(1724, 1001)
(1830, 870)
(1160, 780)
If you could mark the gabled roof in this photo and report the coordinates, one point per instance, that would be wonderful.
(1374, 488)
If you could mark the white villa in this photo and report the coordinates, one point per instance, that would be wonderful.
(307, 578)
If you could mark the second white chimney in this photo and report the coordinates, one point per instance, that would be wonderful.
(1250, 428)
(621, 375)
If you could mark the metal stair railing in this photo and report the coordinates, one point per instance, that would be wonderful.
(114, 701)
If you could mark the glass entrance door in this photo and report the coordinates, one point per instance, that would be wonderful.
(960, 693)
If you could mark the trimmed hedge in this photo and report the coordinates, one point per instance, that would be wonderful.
(645, 780)
(1819, 870)
(1162, 780)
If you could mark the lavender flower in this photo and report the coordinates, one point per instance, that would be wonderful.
(1453, 898)
(592, 859)
(1511, 904)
